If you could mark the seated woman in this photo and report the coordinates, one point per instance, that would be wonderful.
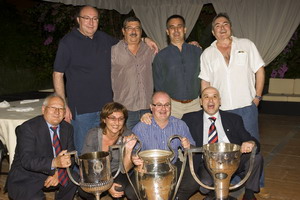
(112, 131)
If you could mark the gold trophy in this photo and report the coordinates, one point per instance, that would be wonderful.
(94, 171)
(222, 160)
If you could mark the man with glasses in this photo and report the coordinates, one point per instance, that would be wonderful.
(175, 69)
(156, 136)
(40, 160)
(131, 74)
(84, 57)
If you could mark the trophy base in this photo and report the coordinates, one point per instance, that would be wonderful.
(228, 198)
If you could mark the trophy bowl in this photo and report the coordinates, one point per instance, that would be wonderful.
(94, 171)
(222, 160)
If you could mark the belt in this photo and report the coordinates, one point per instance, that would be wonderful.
(183, 101)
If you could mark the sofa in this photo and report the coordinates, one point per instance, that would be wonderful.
(284, 90)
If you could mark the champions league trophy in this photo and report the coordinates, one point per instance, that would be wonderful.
(222, 160)
(156, 179)
(95, 172)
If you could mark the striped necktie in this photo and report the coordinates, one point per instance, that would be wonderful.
(62, 173)
(212, 132)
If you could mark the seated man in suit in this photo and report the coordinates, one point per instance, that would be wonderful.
(157, 134)
(229, 129)
(40, 158)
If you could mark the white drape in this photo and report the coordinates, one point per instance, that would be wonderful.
(268, 23)
(154, 13)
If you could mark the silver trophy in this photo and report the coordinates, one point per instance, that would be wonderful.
(222, 160)
(95, 172)
(157, 178)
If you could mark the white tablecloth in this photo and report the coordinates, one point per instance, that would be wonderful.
(9, 120)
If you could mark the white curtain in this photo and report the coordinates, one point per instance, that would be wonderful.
(154, 13)
(268, 23)
(122, 6)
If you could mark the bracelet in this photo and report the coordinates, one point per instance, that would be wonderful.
(258, 97)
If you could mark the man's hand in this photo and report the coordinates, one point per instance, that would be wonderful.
(52, 180)
(256, 101)
(62, 160)
(247, 146)
(114, 193)
(146, 118)
(185, 143)
(195, 43)
(68, 115)
(151, 44)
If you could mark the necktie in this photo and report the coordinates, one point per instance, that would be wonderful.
(62, 173)
(212, 132)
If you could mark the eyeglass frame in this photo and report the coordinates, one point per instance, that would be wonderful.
(87, 18)
(54, 109)
(160, 106)
(114, 119)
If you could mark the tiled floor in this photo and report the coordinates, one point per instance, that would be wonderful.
(280, 138)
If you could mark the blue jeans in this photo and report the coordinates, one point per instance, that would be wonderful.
(134, 117)
(249, 115)
(81, 124)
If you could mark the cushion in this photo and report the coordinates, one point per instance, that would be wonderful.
(297, 86)
(274, 97)
(294, 98)
(281, 86)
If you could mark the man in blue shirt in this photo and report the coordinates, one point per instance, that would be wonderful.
(156, 136)
(175, 69)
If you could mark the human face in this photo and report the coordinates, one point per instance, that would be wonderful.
(88, 20)
(210, 100)
(161, 107)
(114, 123)
(54, 111)
(222, 28)
(132, 32)
(176, 30)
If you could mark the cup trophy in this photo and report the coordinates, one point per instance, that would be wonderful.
(156, 179)
(221, 160)
(94, 171)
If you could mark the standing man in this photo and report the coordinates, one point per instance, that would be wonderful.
(84, 57)
(131, 74)
(176, 67)
(212, 125)
(235, 67)
(40, 159)
(156, 136)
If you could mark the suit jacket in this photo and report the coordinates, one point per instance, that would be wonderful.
(34, 154)
(232, 123)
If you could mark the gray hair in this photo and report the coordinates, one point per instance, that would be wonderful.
(47, 99)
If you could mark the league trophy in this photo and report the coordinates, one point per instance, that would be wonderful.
(94, 171)
(157, 178)
(222, 160)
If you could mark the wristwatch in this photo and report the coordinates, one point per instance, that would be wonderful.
(258, 97)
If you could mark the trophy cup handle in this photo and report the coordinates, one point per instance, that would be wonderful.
(119, 147)
(183, 162)
(68, 169)
(122, 163)
(252, 158)
(190, 153)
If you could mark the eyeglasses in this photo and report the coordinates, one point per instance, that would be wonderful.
(133, 28)
(114, 119)
(54, 109)
(87, 18)
(167, 105)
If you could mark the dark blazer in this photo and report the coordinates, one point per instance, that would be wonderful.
(232, 123)
(33, 156)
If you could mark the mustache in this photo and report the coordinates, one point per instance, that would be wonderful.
(133, 34)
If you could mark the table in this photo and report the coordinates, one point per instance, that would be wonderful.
(9, 120)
